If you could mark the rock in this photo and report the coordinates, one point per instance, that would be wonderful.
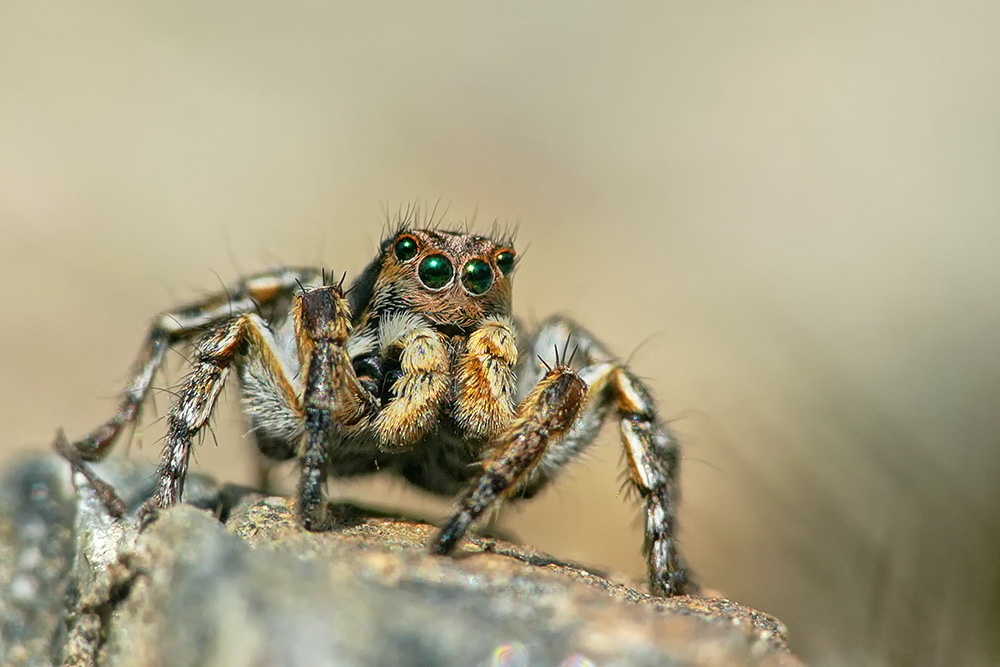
(36, 549)
(258, 590)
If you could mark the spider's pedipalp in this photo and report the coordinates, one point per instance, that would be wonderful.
(485, 379)
(419, 391)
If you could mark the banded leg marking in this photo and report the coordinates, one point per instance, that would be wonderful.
(651, 450)
(213, 359)
(172, 327)
(654, 466)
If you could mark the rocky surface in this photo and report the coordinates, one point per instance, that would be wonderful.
(80, 588)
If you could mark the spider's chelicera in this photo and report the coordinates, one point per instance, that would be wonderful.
(417, 369)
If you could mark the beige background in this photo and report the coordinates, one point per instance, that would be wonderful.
(786, 212)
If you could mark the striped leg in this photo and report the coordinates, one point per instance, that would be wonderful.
(215, 354)
(651, 451)
(654, 463)
(175, 326)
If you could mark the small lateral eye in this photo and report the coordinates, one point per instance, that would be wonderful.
(477, 276)
(435, 271)
(406, 248)
(505, 261)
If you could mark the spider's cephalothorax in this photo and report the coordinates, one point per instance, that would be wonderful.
(415, 370)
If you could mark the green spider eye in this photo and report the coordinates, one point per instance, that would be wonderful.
(406, 248)
(505, 261)
(435, 271)
(477, 276)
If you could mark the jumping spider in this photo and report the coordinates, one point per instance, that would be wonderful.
(417, 369)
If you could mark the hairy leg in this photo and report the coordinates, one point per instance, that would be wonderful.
(214, 355)
(334, 402)
(651, 451)
(542, 418)
(105, 492)
(179, 325)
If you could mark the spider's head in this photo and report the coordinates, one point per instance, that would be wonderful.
(452, 278)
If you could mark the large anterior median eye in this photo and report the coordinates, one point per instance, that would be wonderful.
(435, 271)
(477, 276)
(406, 248)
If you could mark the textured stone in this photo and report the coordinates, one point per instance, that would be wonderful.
(36, 549)
(258, 590)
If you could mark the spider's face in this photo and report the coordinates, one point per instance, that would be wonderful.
(452, 278)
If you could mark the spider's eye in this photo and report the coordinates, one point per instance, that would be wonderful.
(435, 271)
(406, 248)
(477, 276)
(505, 261)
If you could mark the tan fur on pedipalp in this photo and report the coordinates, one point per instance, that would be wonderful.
(420, 392)
(485, 379)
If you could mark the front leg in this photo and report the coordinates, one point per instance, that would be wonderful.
(334, 401)
(542, 418)
(651, 451)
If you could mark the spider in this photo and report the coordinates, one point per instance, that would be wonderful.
(417, 369)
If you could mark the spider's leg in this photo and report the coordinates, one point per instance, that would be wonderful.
(421, 387)
(485, 380)
(541, 353)
(335, 403)
(179, 325)
(651, 450)
(654, 465)
(542, 418)
(105, 492)
(248, 337)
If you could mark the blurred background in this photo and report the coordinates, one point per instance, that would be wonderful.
(787, 214)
